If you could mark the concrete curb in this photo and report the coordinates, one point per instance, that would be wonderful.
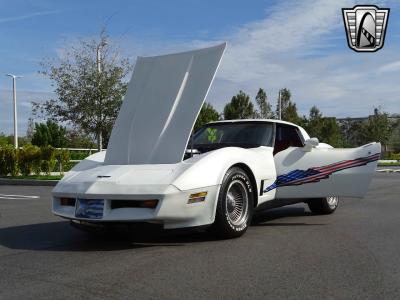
(34, 182)
(388, 170)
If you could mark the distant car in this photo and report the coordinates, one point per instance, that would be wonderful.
(153, 172)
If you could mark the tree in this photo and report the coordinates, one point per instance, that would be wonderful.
(49, 133)
(377, 128)
(240, 107)
(30, 129)
(314, 123)
(89, 82)
(324, 128)
(78, 139)
(9, 140)
(288, 108)
(394, 140)
(4, 140)
(207, 114)
(264, 110)
(330, 132)
(351, 131)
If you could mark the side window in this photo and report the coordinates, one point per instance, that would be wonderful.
(287, 136)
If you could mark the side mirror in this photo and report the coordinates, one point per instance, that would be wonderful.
(310, 143)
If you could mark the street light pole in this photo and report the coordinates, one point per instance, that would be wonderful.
(280, 105)
(14, 77)
(98, 59)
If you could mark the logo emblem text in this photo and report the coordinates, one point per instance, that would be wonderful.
(365, 26)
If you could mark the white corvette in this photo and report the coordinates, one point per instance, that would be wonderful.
(154, 172)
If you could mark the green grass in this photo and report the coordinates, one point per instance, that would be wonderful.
(390, 164)
(35, 177)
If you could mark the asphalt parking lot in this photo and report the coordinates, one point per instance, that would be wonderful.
(287, 253)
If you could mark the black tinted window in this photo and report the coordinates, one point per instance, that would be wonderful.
(250, 134)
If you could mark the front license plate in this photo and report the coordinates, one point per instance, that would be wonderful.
(89, 208)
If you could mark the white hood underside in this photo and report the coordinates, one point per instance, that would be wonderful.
(161, 105)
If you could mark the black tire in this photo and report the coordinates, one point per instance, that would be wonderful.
(323, 206)
(235, 204)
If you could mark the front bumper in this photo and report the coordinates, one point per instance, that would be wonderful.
(172, 210)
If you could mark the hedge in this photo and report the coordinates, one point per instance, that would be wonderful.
(8, 160)
(394, 156)
(31, 159)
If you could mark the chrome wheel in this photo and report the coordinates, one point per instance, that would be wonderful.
(332, 201)
(237, 203)
(323, 206)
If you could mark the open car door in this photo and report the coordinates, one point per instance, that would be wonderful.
(319, 172)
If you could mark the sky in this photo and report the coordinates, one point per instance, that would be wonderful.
(300, 45)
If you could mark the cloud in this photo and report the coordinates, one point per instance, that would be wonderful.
(24, 108)
(390, 67)
(302, 45)
(290, 28)
(28, 16)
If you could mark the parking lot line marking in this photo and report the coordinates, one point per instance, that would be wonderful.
(4, 196)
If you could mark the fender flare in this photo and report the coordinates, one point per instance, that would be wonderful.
(210, 169)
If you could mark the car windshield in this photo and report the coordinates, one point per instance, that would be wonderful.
(238, 134)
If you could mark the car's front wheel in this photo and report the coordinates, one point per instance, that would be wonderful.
(323, 206)
(235, 204)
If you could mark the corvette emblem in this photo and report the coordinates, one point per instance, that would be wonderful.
(365, 26)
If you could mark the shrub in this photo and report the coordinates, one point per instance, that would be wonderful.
(37, 162)
(48, 159)
(394, 156)
(79, 155)
(3, 166)
(28, 159)
(9, 161)
(62, 157)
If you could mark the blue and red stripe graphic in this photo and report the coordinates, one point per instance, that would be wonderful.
(315, 174)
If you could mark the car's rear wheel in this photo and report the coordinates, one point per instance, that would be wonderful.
(323, 206)
(235, 204)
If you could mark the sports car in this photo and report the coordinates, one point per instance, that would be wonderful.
(156, 171)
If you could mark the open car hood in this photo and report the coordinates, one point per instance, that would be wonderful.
(161, 105)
